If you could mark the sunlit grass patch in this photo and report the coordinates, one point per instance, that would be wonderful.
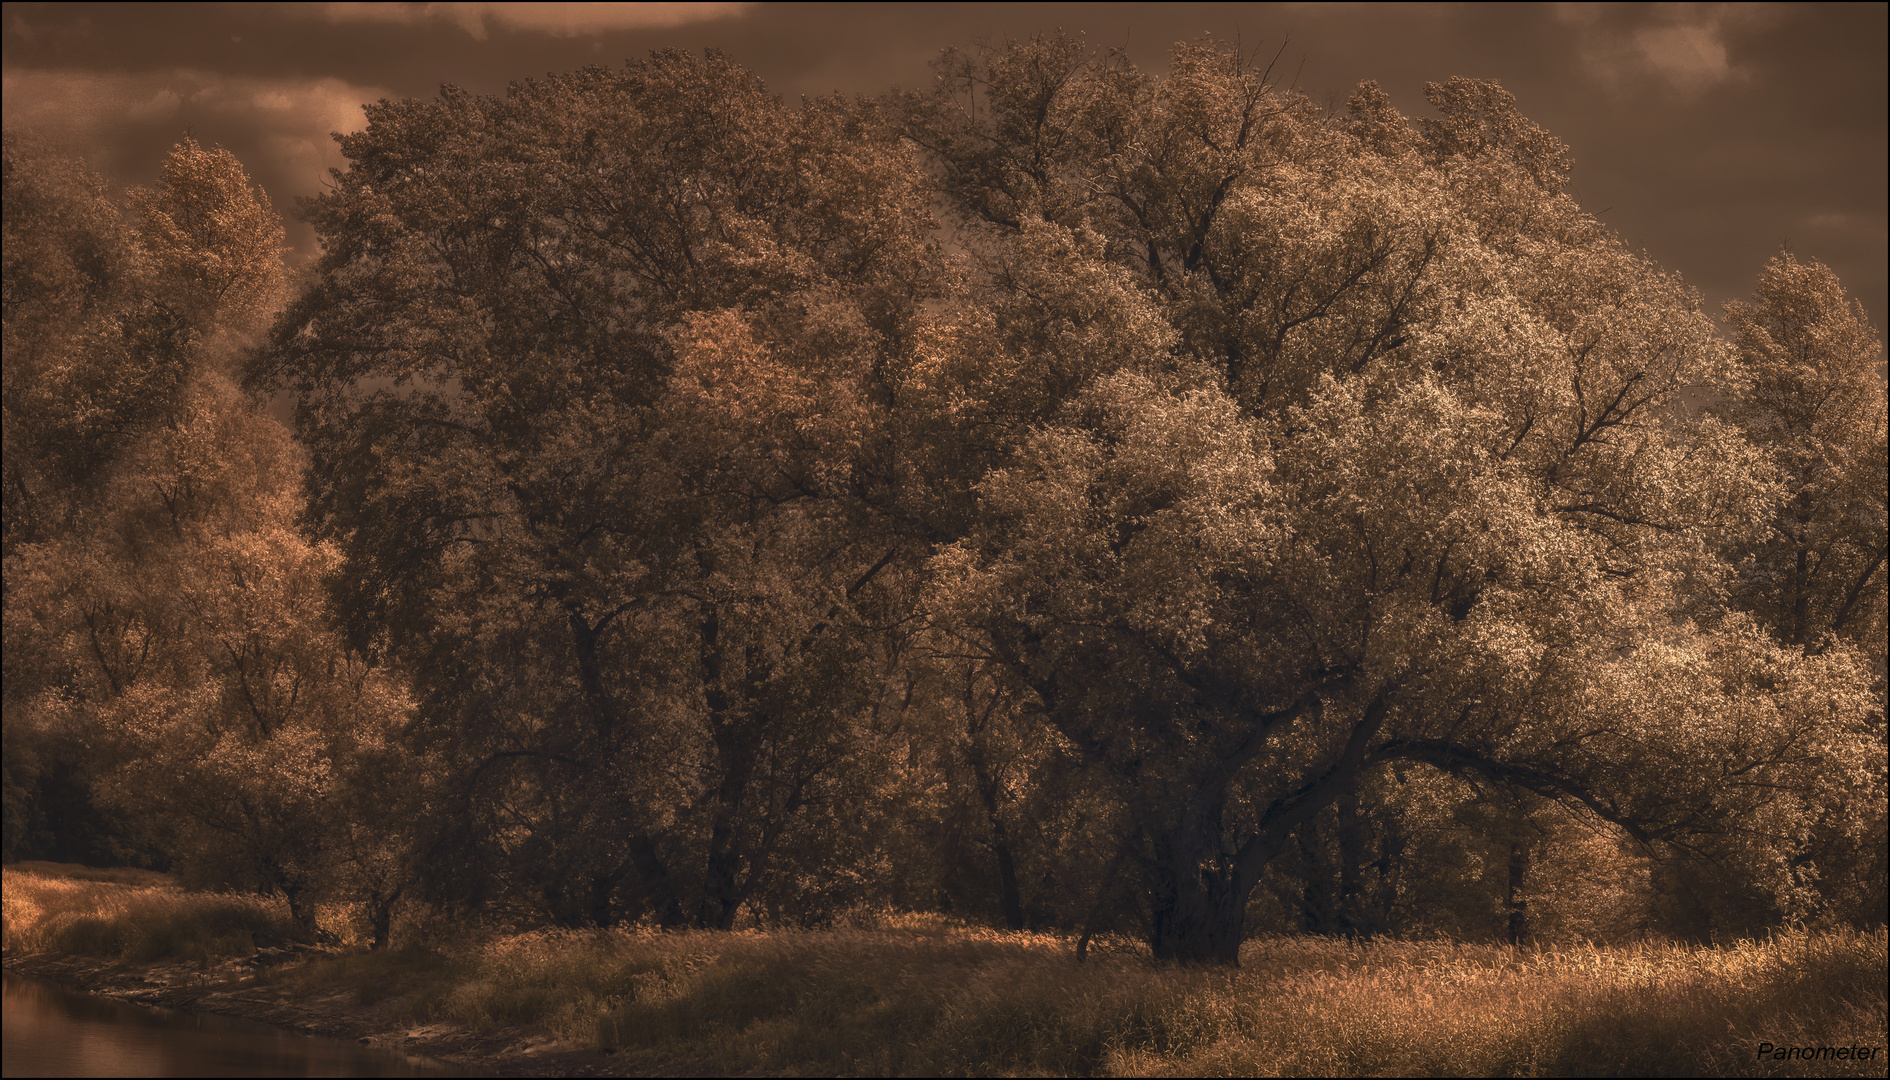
(101, 915)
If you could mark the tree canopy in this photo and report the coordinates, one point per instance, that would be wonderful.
(1376, 453)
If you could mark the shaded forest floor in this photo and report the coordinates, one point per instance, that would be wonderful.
(920, 995)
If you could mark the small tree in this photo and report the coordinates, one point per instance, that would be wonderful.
(1812, 396)
(175, 614)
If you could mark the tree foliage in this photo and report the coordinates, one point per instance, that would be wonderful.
(1371, 450)
(168, 622)
(595, 376)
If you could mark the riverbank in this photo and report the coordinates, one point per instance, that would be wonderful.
(903, 995)
(133, 935)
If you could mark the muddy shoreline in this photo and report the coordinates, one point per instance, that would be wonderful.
(236, 988)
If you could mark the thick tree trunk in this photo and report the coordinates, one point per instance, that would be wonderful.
(1200, 917)
(302, 907)
(735, 752)
(1318, 901)
(1198, 909)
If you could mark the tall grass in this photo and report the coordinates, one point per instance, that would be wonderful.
(917, 994)
(131, 915)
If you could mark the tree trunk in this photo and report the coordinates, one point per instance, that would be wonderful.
(302, 909)
(1351, 920)
(1198, 909)
(1200, 917)
(1318, 901)
(734, 746)
(1010, 898)
(380, 911)
(1518, 901)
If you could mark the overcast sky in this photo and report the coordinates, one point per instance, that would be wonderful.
(1707, 134)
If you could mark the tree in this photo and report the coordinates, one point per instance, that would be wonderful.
(594, 376)
(213, 240)
(90, 361)
(71, 272)
(1305, 448)
(1812, 396)
(172, 621)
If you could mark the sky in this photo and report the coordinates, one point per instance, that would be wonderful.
(1708, 135)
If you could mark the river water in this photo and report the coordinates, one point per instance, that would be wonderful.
(51, 1031)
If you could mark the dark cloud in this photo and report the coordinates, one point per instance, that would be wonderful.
(1711, 134)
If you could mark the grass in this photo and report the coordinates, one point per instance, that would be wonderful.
(917, 994)
(133, 915)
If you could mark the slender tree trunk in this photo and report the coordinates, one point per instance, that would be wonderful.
(1351, 918)
(1518, 901)
(1010, 898)
(1106, 888)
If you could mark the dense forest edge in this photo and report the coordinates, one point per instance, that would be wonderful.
(1101, 564)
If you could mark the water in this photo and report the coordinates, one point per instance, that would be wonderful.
(51, 1031)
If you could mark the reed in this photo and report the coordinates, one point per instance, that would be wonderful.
(131, 915)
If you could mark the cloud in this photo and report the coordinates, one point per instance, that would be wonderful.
(559, 19)
(123, 122)
(161, 104)
(90, 100)
(1680, 45)
(1862, 226)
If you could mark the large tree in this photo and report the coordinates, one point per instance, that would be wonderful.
(1306, 446)
(595, 379)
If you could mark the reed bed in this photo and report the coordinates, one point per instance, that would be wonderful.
(132, 915)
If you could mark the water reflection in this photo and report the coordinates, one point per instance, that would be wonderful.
(50, 1031)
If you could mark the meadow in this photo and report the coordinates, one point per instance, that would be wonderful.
(919, 994)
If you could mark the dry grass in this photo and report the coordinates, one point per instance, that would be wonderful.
(919, 995)
(132, 915)
(915, 995)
